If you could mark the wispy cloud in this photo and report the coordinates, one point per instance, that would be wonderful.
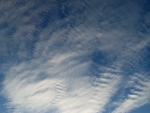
(66, 88)
(70, 62)
(138, 94)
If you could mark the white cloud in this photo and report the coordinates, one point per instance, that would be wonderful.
(56, 72)
(138, 94)
(30, 87)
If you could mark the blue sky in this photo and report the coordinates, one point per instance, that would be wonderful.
(81, 56)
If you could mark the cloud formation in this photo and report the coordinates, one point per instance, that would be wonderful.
(138, 94)
(39, 90)
(67, 61)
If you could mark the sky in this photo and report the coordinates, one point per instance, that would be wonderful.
(74, 56)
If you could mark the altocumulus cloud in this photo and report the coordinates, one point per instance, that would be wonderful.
(67, 61)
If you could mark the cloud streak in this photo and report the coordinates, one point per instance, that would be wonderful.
(137, 96)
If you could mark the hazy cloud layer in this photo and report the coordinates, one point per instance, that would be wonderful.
(74, 57)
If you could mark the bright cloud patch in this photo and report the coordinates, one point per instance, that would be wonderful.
(33, 89)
